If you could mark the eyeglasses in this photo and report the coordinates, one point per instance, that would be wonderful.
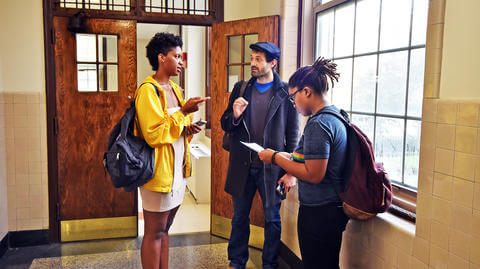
(291, 97)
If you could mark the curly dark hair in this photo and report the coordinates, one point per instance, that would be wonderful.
(161, 43)
(315, 76)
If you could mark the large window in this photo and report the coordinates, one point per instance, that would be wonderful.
(379, 47)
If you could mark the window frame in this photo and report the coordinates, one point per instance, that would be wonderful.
(97, 63)
(404, 197)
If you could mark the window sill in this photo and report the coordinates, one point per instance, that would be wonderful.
(398, 223)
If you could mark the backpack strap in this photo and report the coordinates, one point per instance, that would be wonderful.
(154, 86)
(342, 115)
(242, 89)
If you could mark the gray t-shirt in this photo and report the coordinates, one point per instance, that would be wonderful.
(259, 105)
(324, 137)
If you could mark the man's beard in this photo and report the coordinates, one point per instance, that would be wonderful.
(259, 73)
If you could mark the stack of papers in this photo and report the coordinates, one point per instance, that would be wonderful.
(253, 146)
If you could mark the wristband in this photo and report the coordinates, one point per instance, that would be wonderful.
(273, 157)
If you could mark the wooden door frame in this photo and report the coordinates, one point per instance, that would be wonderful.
(51, 106)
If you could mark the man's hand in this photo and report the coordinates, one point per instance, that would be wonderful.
(289, 181)
(193, 104)
(239, 105)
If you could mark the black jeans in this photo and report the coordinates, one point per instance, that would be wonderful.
(320, 231)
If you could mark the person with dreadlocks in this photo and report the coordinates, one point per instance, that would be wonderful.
(317, 162)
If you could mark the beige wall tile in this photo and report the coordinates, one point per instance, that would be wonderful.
(445, 136)
(438, 257)
(429, 110)
(464, 165)
(459, 243)
(463, 192)
(447, 111)
(468, 114)
(476, 196)
(417, 264)
(427, 158)
(435, 36)
(443, 162)
(476, 223)
(436, 12)
(475, 249)
(424, 205)
(474, 266)
(477, 143)
(462, 219)
(404, 259)
(429, 133)
(439, 235)
(421, 250)
(457, 262)
(441, 210)
(442, 186)
(465, 138)
(422, 227)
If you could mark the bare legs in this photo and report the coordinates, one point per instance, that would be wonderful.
(154, 251)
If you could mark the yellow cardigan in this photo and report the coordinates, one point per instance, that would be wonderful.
(160, 130)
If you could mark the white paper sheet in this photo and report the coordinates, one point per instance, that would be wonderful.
(253, 146)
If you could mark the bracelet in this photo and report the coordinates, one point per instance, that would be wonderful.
(273, 157)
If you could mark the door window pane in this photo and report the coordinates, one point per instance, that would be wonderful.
(392, 83)
(108, 77)
(324, 36)
(389, 145)
(366, 26)
(395, 28)
(364, 82)
(87, 77)
(107, 48)
(247, 72)
(344, 17)
(412, 153)
(415, 82)
(234, 76)
(86, 48)
(249, 39)
(342, 90)
(235, 49)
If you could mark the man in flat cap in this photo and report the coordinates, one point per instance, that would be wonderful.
(264, 115)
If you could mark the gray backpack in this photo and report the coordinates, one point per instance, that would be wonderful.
(129, 160)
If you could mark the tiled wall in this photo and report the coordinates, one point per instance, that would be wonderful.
(447, 233)
(24, 159)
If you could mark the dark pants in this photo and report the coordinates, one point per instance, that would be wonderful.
(320, 231)
(238, 244)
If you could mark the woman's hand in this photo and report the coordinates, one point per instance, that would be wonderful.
(193, 104)
(266, 155)
(191, 129)
(289, 181)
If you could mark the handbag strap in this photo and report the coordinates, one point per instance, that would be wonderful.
(242, 89)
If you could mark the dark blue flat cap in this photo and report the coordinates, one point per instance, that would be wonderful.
(268, 48)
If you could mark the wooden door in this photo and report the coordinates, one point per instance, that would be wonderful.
(230, 56)
(89, 207)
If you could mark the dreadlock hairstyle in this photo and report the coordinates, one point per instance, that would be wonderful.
(315, 76)
(161, 43)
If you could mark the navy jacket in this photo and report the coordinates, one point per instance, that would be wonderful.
(281, 133)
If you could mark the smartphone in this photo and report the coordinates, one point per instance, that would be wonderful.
(200, 122)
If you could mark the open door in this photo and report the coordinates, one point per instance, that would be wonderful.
(95, 75)
(230, 56)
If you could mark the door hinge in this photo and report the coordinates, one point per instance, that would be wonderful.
(58, 211)
(55, 125)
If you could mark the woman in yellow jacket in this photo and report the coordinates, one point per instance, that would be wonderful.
(164, 121)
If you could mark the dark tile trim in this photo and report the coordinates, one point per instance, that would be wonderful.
(28, 238)
(289, 257)
(4, 245)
